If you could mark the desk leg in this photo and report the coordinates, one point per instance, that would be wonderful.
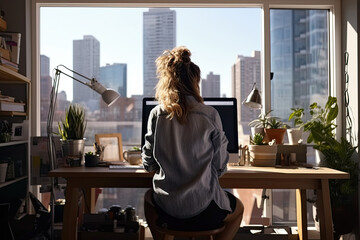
(301, 214)
(69, 230)
(324, 211)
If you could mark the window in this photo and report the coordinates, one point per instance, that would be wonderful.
(226, 41)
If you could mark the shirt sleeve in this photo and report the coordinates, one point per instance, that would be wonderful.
(147, 155)
(220, 142)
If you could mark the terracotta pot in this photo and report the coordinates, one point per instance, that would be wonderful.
(275, 133)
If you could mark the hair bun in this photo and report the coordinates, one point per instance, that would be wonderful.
(182, 54)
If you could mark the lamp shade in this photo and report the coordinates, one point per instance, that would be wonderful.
(253, 100)
(110, 96)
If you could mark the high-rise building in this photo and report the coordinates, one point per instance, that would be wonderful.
(159, 34)
(86, 61)
(299, 59)
(45, 89)
(114, 76)
(210, 87)
(245, 72)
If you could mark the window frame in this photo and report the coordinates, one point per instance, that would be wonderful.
(335, 53)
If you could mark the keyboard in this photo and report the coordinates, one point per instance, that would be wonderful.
(116, 167)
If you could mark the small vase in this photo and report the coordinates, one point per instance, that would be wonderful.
(295, 135)
(91, 160)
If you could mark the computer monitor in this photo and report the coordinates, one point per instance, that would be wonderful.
(227, 109)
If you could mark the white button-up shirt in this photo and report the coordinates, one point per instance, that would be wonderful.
(188, 159)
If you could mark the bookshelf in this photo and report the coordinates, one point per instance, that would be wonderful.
(15, 153)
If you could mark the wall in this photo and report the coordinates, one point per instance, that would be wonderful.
(350, 43)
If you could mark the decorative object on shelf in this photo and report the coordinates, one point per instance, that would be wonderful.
(91, 159)
(20, 131)
(262, 154)
(72, 130)
(295, 133)
(5, 131)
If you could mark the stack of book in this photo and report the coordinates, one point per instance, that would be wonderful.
(8, 104)
(9, 47)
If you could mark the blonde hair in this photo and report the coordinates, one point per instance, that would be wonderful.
(178, 77)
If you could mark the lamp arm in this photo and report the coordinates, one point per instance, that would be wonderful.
(58, 72)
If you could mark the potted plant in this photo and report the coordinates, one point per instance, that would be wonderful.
(275, 130)
(295, 133)
(262, 154)
(257, 125)
(337, 155)
(72, 130)
(5, 131)
(91, 159)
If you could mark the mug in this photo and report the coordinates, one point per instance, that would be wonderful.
(133, 157)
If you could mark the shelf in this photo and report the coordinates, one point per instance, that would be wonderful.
(9, 76)
(4, 184)
(12, 113)
(12, 143)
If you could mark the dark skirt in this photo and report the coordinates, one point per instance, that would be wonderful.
(212, 217)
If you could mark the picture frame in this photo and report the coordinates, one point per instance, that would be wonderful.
(113, 146)
(19, 131)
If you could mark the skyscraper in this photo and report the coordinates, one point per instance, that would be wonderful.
(245, 72)
(45, 89)
(210, 87)
(159, 34)
(299, 59)
(114, 76)
(86, 61)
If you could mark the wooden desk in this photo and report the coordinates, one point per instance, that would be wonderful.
(236, 177)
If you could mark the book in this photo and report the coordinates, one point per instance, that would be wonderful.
(4, 53)
(9, 64)
(13, 40)
(12, 106)
(3, 25)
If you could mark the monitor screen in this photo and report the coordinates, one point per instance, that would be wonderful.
(227, 108)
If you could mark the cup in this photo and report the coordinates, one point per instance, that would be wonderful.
(133, 157)
(3, 169)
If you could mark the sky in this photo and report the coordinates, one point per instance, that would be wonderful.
(215, 36)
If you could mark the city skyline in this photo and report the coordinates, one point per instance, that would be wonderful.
(121, 43)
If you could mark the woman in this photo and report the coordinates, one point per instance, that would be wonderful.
(185, 147)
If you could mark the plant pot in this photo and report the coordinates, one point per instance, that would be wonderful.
(275, 133)
(73, 151)
(5, 137)
(263, 155)
(295, 135)
(91, 160)
(255, 130)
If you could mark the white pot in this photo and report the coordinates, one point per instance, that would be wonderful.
(295, 135)
(263, 155)
(255, 130)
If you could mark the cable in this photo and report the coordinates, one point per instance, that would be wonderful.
(347, 101)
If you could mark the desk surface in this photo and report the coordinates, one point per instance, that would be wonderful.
(235, 177)
(233, 171)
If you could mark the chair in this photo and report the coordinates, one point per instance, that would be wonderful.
(169, 234)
